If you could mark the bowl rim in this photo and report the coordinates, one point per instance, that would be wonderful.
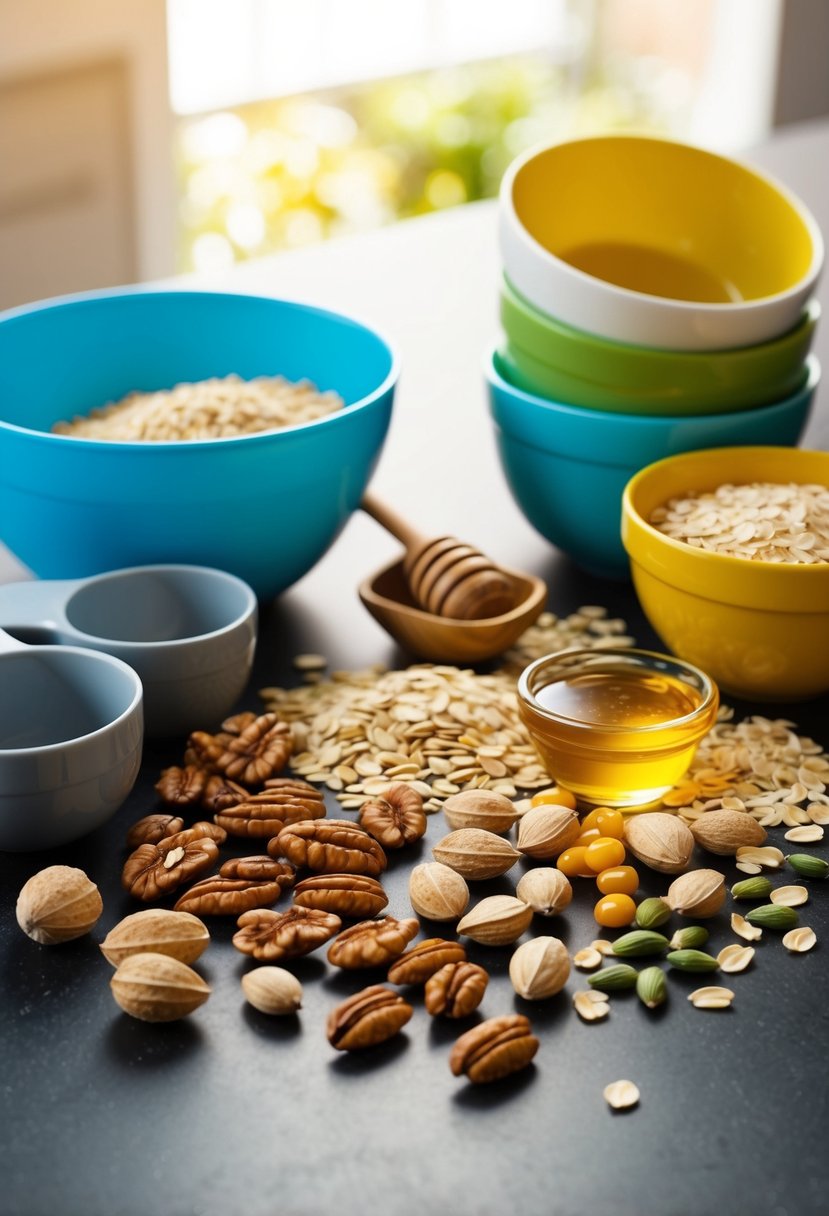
(496, 379)
(710, 696)
(572, 275)
(662, 356)
(741, 581)
(153, 290)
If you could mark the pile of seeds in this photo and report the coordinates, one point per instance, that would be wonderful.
(439, 729)
(761, 766)
(208, 409)
(761, 521)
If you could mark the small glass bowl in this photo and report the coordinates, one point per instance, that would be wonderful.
(613, 762)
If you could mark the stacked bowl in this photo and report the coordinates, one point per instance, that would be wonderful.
(656, 299)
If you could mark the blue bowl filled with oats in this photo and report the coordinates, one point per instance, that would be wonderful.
(140, 427)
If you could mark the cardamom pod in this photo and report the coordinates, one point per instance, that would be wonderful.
(692, 960)
(751, 888)
(639, 943)
(652, 987)
(689, 938)
(773, 916)
(808, 866)
(614, 979)
(652, 913)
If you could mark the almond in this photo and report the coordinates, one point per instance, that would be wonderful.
(480, 809)
(724, 832)
(700, 893)
(661, 841)
(546, 831)
(497, 920)
(475, 853)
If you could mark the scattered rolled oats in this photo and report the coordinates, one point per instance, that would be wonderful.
(809, 834)
(588, 959)
(790, 897)
(762, 521)
(735, 958)
(749, 932)
(799, 941)
(591, 1006)
(436, 728)
(621, 1095)
(711, 997)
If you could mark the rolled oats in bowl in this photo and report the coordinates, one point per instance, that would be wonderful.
(762, 521)
(207, 409)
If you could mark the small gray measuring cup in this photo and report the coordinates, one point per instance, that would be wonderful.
(71, 733)
(188, 631)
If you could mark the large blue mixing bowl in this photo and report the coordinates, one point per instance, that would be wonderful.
(567, 467)
(265, 507)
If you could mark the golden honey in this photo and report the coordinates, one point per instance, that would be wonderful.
(616, 728)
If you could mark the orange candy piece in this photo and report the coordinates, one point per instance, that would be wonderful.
(615, 911)
(604, 852)
(618, 880)
(571, 862)
(555, 796)
(588, 837)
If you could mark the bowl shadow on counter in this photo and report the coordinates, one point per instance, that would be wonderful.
(141, 1046)
(495, 1093)
(266, 1026)
(358, 1063)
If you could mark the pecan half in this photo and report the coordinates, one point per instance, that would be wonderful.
(265, 814)
(154, 870)
(181, 786)
(353, 896)
(424, 959)
(197, 831)
(330, 846)
(153, 828)
(256, 868)
(372, 943)
(396, 818)
(494, 1049)
(456, 990)
(270, 936)
(369, 1017)
(252, 756)
(238, 722)
(228, 896)
(220, 793)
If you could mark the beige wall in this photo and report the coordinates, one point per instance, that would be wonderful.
(85, 121)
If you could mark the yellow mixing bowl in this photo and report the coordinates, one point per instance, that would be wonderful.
(657, 243)
(760, 629)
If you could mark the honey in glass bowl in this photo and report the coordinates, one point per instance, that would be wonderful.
(616, 727)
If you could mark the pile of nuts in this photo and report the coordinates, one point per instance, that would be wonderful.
(343, 861)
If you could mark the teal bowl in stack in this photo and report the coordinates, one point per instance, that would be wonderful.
(656, 299)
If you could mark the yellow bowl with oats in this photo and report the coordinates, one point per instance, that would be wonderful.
(759, 628)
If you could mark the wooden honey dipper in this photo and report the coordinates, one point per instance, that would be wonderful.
(446, 576)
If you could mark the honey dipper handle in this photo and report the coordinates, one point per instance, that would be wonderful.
(391, 521)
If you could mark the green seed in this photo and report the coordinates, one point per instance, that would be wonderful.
(689, 938)
(692, 960)
(652, 913)
(751, 888)
(651, 987)
(773, 916)
(638, 943)
(614, 979)
(808, 866)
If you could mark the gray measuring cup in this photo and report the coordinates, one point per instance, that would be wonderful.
(188, 631)
(71, 732)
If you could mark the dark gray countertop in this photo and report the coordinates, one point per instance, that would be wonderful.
(231, 1112)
